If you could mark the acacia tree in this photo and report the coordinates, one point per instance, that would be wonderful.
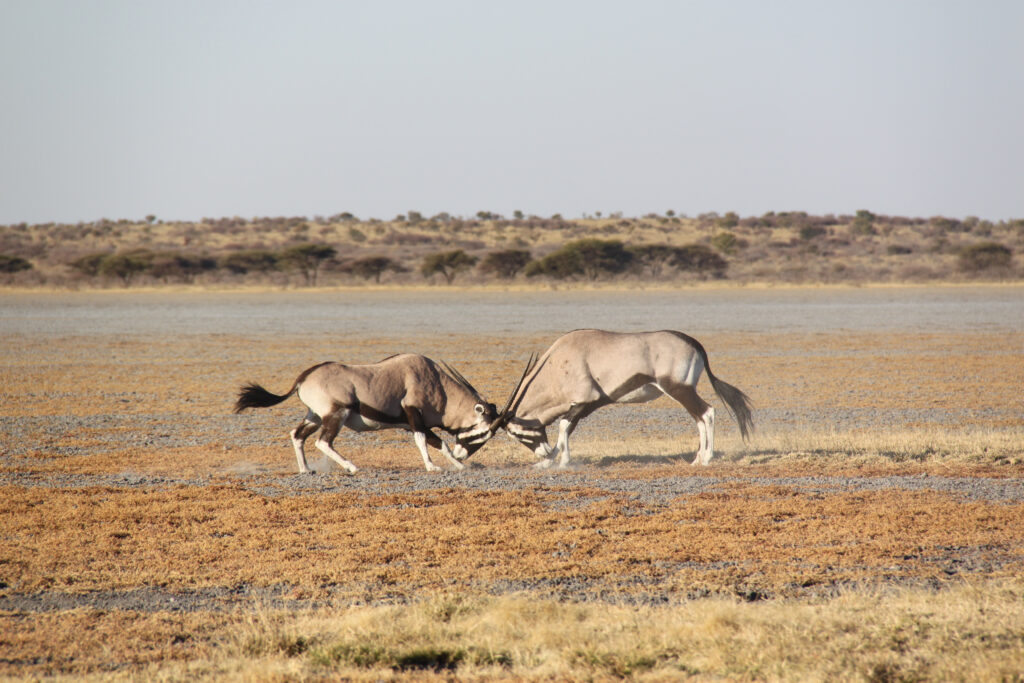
(374, 266)
(250, 260)
(125, 265)
(505, 263)
(183, 267)
(448, 263)
(307, 259)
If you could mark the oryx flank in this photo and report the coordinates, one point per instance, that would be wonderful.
(400, 392)
(587, 369)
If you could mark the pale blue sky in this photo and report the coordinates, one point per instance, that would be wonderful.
(123, 108)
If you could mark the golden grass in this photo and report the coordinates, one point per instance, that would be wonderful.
(967, 632)
(971, 633)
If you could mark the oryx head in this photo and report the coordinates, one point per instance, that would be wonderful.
(468, 440)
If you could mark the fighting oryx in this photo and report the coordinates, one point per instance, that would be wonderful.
(587, 369)
(404, 391)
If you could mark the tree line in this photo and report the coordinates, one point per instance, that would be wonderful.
(585, 259)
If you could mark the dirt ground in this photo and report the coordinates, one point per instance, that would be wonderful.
(129, 489)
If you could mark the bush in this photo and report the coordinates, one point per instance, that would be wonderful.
(984, 256)
(693, 257)
(725, 242)
(251, 260)
(864, 223)
(809, 232)
(590, 258)
(125, 265)
(171, 266)
(89, 264)
(448, 264)
(374, 266)
(13, 264)
(505, 263)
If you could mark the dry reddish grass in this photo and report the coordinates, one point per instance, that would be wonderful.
(342, 545)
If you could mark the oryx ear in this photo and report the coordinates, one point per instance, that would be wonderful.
(480, 409)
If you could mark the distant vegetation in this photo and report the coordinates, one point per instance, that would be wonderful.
(412, 248)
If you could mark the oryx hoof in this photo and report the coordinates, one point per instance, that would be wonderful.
(543, 464)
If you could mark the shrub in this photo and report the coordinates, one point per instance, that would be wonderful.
(809, 232)
(864, 223)
(447, 263)
(984, 256)
(172, 266)
(89, 264)
(725, 242)
(697, 257)
(13, 264)
(729, 220)
(125, 265)
(374, 266)
(251, 260)
(946, 225)
(591, 258)
(505, 263)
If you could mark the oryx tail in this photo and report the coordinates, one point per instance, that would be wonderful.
(255, 396)
(252, 395)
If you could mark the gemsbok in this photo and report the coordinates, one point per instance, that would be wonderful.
(404, 391)
(587, 369)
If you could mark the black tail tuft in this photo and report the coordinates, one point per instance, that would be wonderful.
(739, 404)
(254, 396)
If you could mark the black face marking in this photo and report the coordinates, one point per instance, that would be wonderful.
(531, 434)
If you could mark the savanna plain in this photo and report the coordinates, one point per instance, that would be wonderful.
(871, 529)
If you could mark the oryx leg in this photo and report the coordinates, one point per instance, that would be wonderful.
(422, 439)
(447, 453)
(561, 449)
(299, 435)
(702, 413)
(325, 442)
(422, 436)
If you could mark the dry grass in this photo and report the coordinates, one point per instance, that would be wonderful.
(966, 632)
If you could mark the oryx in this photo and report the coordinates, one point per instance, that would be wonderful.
(587, 369)
(404, 391)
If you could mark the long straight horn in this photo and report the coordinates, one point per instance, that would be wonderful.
(458, 377)
(503, 416)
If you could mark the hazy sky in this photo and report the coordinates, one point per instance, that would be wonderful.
(119, 109)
